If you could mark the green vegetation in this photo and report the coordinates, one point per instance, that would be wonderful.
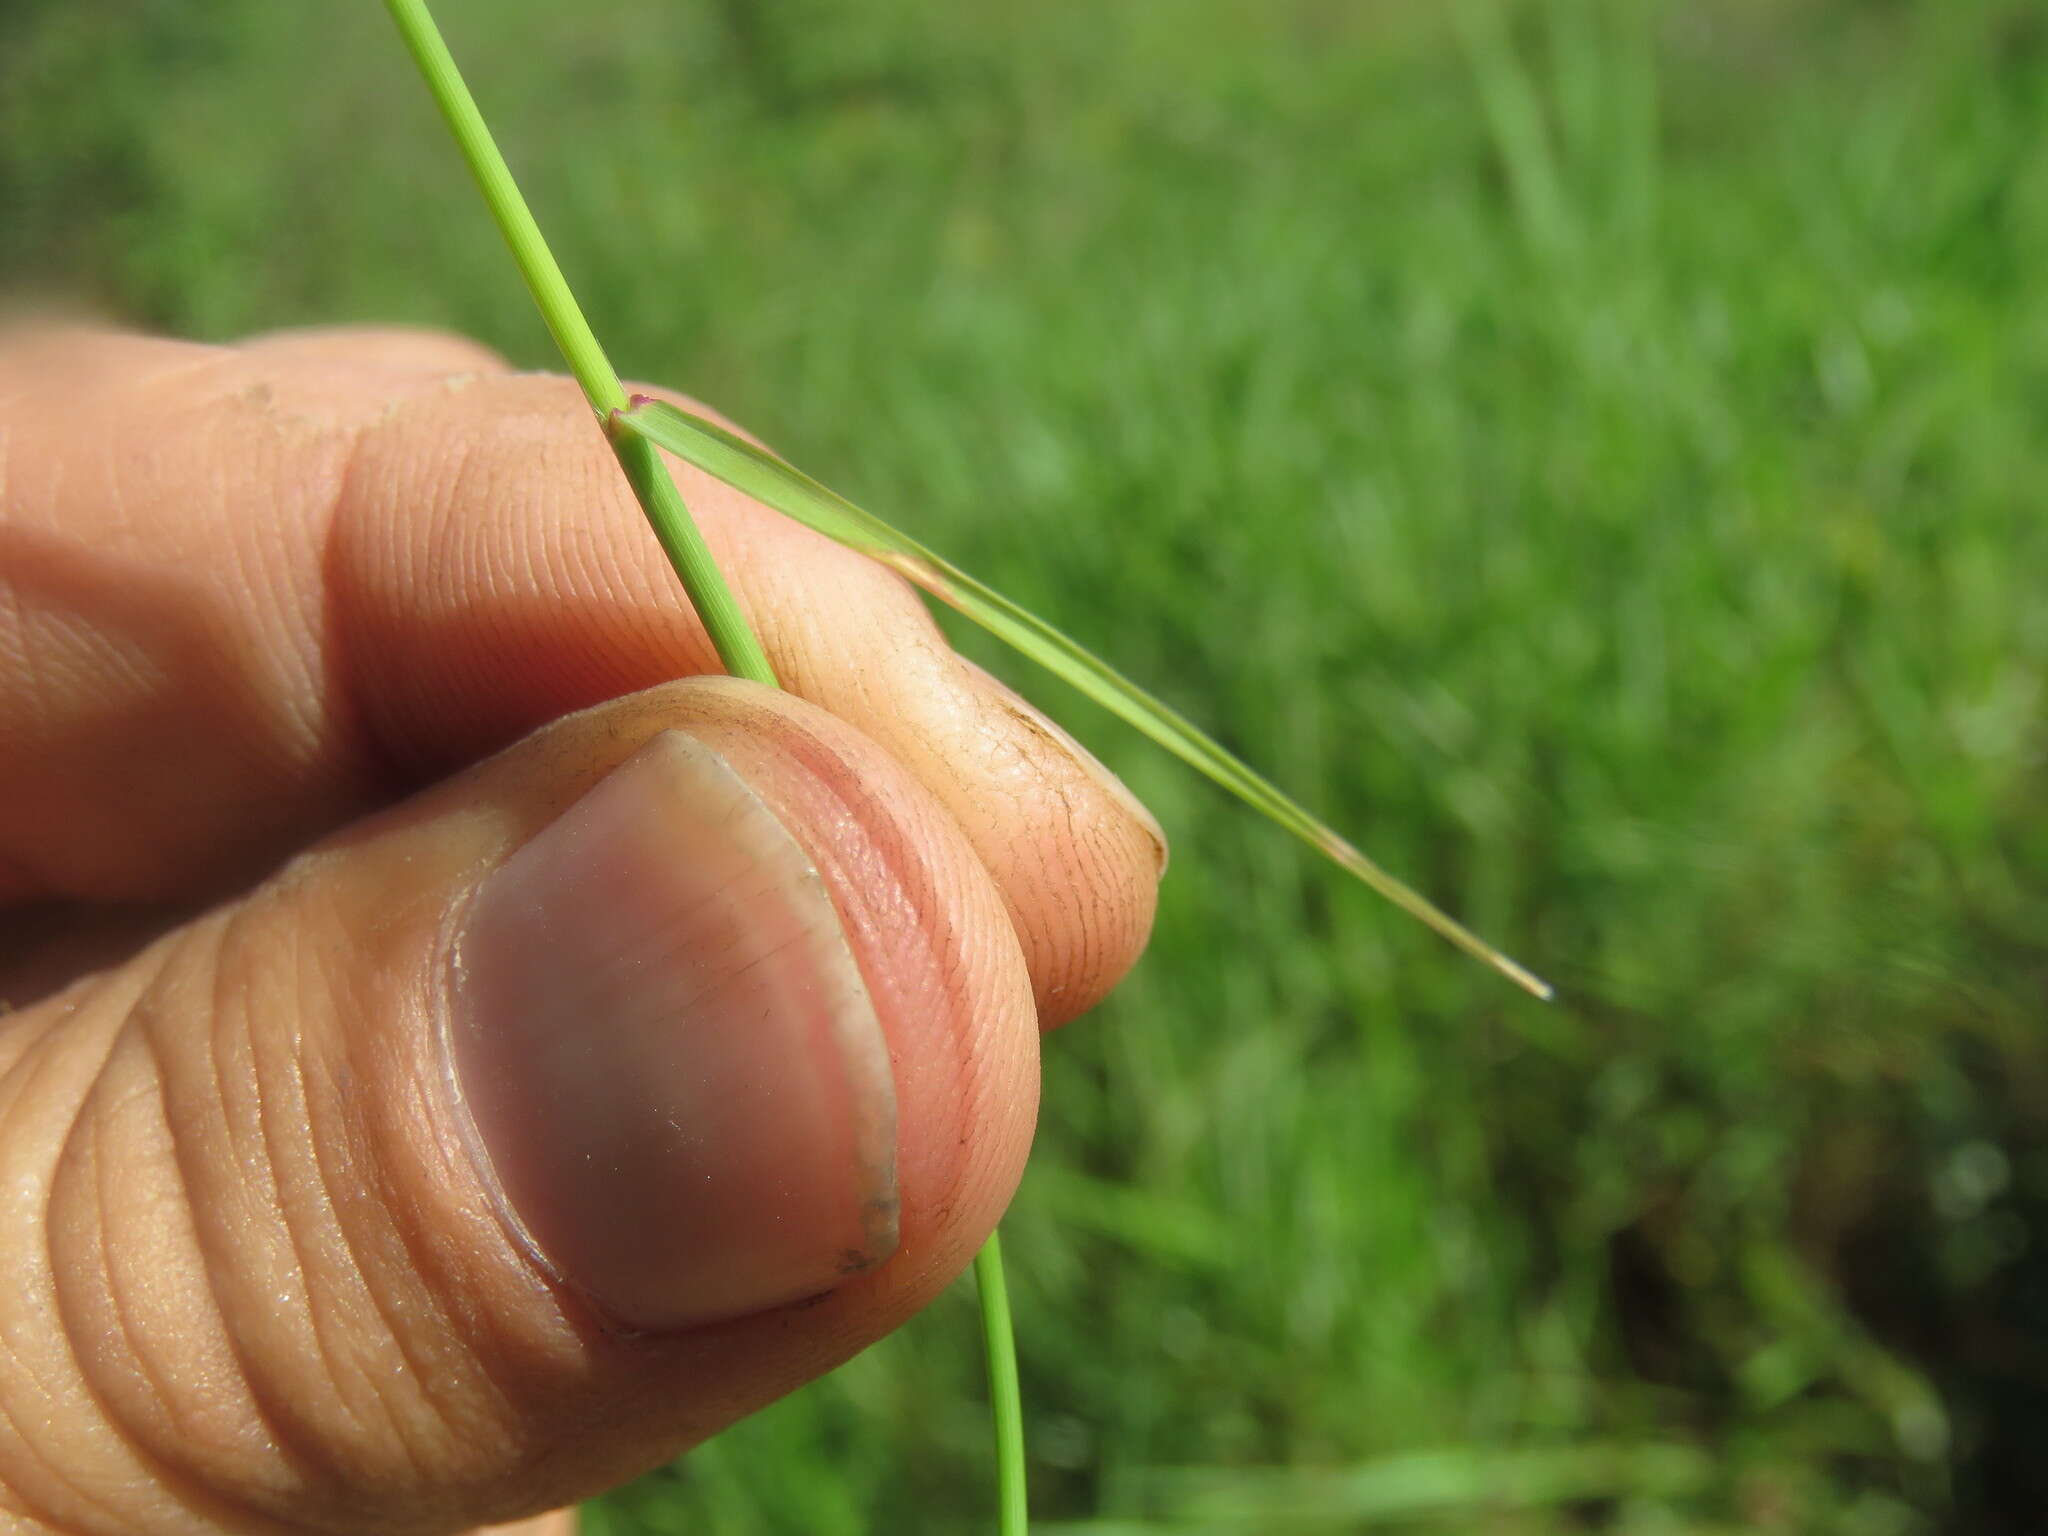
(1588, 449)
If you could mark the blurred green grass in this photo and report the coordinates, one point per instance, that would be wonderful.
(1590, 448)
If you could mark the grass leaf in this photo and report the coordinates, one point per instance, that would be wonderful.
(788, 490)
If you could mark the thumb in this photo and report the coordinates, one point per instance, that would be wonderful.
(510, 1142)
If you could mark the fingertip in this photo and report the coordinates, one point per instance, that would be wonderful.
(1077, 855)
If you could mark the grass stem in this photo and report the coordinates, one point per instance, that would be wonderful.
(573, 335)
(738, 647)
(734, 639)
(1006, 1399)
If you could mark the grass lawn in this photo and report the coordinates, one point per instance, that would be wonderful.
(1592, 449)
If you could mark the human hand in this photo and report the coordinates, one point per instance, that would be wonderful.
(398, 1137)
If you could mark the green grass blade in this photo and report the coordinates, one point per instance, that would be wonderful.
(790, 491)
(573, 336)
(709, 594)
(1005, 1398)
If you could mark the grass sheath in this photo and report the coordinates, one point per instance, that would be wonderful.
(739, 649)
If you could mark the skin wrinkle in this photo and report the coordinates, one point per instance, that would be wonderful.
(424, 1374)
(392, 1335)
(115, 1294)
(297, 606)
(461, 1317)
(310, 1219)
(265, 682)
(15, 660)
(205, 1504)
(570, 543)
(308, 1235)
(52, 1469)
(114, 501)
(267, 687)
(298, 1443)
(354, 1272)
(40, 1524)
(29, 667)
(506, 568)
(38, 670)
(10, 1502)
(23, 1094)
(285, 680)
(190, 1158)
(356, 487)
(283, 591)
(344, 685)
(13, 617)
(167, 1399)
(1086, 912)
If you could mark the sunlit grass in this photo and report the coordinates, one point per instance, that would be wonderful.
(1669, 605)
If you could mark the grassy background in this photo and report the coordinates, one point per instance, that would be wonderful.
(1591, 448)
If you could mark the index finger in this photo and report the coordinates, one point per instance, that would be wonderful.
(253, 592)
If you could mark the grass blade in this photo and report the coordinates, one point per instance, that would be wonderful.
(713, 600)
(1006, 1401)
(789, 490)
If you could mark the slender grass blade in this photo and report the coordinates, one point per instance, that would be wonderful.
(789, 490)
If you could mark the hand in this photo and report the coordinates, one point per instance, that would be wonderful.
(455, 1065)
